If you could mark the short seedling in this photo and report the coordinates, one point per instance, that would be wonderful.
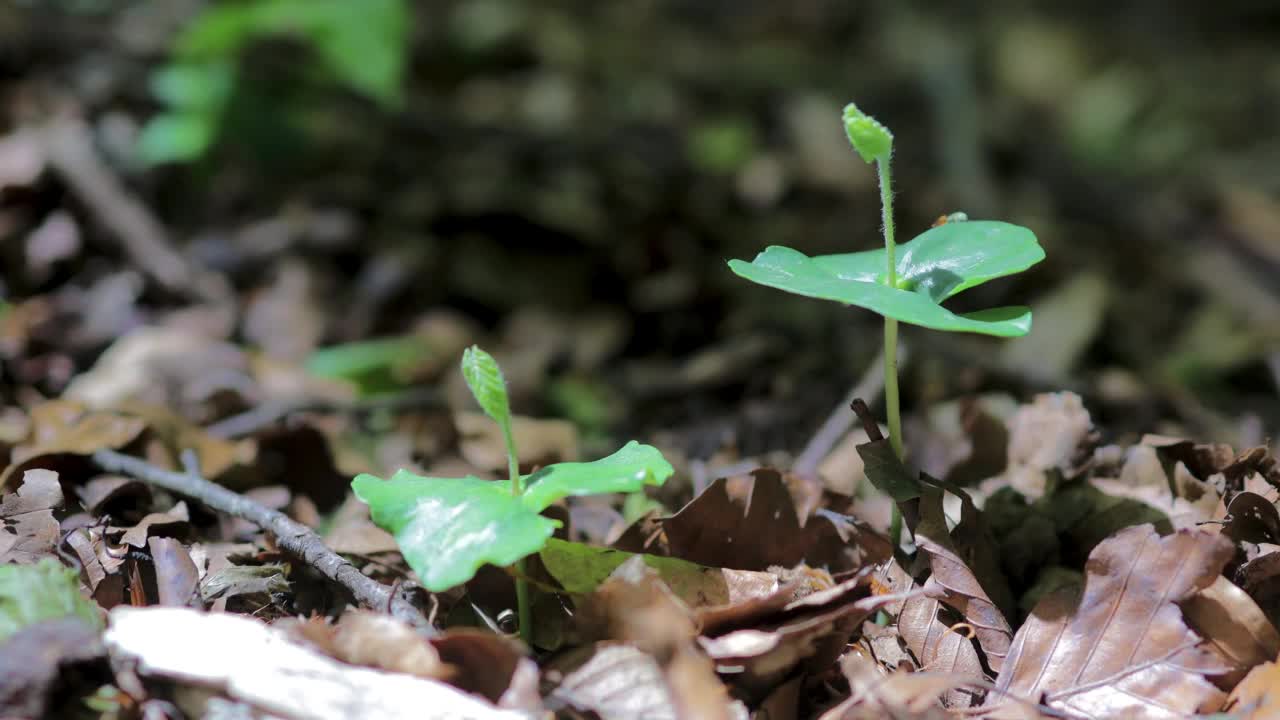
(907, 286)
(448, 527)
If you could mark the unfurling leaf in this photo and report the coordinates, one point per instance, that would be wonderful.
(448, 527)
(938, 264)
(872, 140)
(485, 380)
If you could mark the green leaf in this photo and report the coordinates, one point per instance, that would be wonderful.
(484, 377)
(44, 591)
(373, 365)
(204, 86)
(627, 470)
(177, 137)
(582, 568)
(448, 528)
(934, 266)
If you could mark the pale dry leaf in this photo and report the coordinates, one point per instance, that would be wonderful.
(1044, 436)
(1121, 648)
(259, 665)
(538, 441)
(28, 530)
(1257, 696)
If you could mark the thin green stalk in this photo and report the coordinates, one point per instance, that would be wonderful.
(892, 406)
(523, 607)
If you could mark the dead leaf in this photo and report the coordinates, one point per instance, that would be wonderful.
(875, 694)
(64, 433)
(176, 574)
(957, 576)
(375, 640)
(940, 643)
(28, 530)
(1121, 648)
(1051, 434)
(174, 520)
(1257, 696)
(1233, 624)
(258, 665)
(714, 530)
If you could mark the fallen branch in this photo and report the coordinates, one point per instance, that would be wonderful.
(293, 537)
(69, 148)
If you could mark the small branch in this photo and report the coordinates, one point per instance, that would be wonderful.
(841, 418)
(69, 148)
(291, 536)
(271, 412)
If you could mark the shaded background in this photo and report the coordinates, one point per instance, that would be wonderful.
(563, 181)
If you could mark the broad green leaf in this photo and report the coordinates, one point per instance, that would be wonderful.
(448, 528)
(484, 377)
(176, 137)
(627, 470)
(44, 591)
(934, 266)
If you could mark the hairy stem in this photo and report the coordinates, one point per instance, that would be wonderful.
(523, 606)
(891, 402)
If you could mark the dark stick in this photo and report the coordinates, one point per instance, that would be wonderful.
(291, 536)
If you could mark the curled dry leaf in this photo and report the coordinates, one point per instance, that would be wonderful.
(62, 433)
(958, 576)
(934, 635)
(374, 640)
(1121, 648)
(28, 530)
(875, 693)
(1257, 697)
(174, 520)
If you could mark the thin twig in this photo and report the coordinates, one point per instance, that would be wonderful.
(291, 536)
(841, 419)
(269, 413)
(68, 145)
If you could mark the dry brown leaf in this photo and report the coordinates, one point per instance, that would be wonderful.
(875, 694)
(716, 531)
(375, 640)
(28, 530)
(1121, 648)
(939, 645)
(1050, 434)
(958, 576)
(176, 575)
(64, 433)
(1257, 697)
(1234, 625)
(811, 631)
(174, 520)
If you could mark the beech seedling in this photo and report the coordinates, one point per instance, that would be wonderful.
(448, 527)
(908, 283)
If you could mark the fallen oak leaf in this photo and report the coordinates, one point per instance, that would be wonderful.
(1257, 696)
(1071, 654)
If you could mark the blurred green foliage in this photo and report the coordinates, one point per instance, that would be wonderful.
(362, 46)
(44, 591)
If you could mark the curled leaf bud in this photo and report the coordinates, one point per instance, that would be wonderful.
(484, 377)
(872, 140)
